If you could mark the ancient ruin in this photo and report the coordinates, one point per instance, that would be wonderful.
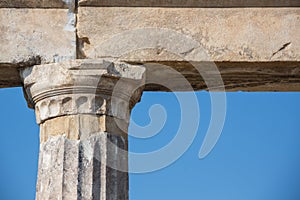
(84, 64)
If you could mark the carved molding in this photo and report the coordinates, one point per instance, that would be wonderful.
(83, 87)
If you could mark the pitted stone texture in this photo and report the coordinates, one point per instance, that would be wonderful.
(79, 73)
(34, 36)
(37, 3)
(254, 49)
(220, 35)
(190, 3)
(83, 169)
(81, 127)
(84, 87)
(160, 3)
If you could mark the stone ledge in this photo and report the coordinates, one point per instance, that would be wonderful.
(62, 4)
(190, 3)
(237, 76)
(261, 55)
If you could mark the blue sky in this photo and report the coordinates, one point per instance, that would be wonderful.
(257, 156)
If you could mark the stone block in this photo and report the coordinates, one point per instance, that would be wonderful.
(35, 36)
(195, 34)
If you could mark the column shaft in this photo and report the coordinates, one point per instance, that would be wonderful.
(74, 159)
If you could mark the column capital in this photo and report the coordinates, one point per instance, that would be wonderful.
(96, 87)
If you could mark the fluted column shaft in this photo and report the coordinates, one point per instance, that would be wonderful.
(83, 109)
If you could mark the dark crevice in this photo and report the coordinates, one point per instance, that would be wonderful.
(31, 61)
(76, 7)
(81, 42)
(80, 172)
(96, 190)
(282, 48)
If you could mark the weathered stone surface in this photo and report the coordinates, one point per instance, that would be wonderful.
(83, 108)
(236, 76)
(36, 3)
(96, 87)
(35, 36)
(145, 3)
(81, 127)
(83, 169)
(9, 76)
(236, 35)
(191, 3)
(254, 49)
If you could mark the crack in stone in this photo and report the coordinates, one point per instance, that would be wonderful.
(282, 48)
(188, 51)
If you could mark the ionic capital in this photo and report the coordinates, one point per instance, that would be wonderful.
(96, 87)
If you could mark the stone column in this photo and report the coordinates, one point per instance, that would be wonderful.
(83, 109)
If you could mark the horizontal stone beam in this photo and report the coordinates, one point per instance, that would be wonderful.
(191, 3)
(254, 49)
(236, 76)
(194, 34)
(173, 76)
(146, 3)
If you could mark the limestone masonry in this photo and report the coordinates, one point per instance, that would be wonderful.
(84, 64)
(254, 44)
